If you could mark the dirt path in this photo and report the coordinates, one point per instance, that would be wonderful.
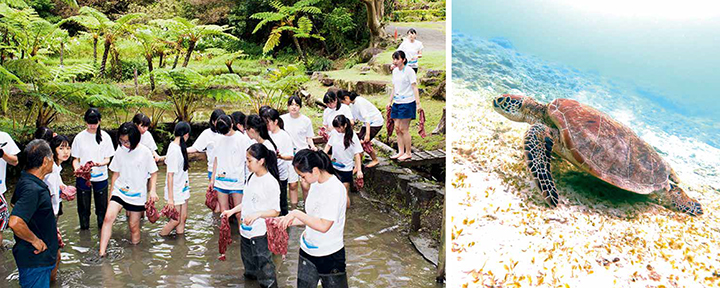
(432, 39)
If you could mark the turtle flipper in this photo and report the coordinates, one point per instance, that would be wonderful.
(538, 146)
(682, 202)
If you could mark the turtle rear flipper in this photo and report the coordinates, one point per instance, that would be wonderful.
(682, 202)
(538, 147)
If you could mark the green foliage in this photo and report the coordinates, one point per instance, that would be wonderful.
(276, 87)
(338, 28)
(418, 15)
(285, 17)
(319, 64)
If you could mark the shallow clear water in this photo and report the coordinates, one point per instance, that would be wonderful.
(374, 258)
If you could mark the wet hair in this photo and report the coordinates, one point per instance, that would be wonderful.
(271, 114)
(256, 123)
(351, 94)
(43, 133)
(141, 119)
(56, 142)
(92, 116)
(305, 160)
(412, 31)
(238, 118)
(214, 117)
(181, 129)
(331, 96)
(294, 99)
(399, 54)
(224, 124)
(133, 133)
(259, 151)
(35, 153)
(342, 121)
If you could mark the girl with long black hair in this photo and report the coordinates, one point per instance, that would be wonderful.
(257, 129)
(322, 250)
(405, 102)
(142, 121)
(92, 144)
(205, 143)
(177, 182)
(285, 152)
(365, 112)
(262, 195)
(333, 108)
(131, 165)
(346, 151)
(301, 131)
(228, 174)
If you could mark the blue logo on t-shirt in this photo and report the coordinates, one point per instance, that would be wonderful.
(245, 227)
(307, 244)
(96, 175)
(336, 164)
(126, 192)
(224, 178)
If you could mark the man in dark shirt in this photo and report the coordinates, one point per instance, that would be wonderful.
(32, 219)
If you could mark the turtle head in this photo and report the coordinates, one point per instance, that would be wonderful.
(519, 108)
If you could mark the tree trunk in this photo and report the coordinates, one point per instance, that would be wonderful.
(229, 65)
(95, 40)
(191, 47)
(135, 76)
(162, 56)
(150, 69)
(373, 21)
(62, 52)
(177, 56)
(104, 58)
(297, 46)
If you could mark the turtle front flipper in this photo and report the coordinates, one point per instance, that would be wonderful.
(682, 202)
(538, 146)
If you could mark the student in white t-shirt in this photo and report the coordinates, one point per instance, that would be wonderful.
(346, 153)
(177, 182)
(334, 108)
(92, 144)
(412, 48)
(369, 115)
(142, 121)
(405, 101)
(256, 128)
(239, 126)
(8, 155)
(262, 197)
(131, 165)
(205, 143)
(60, 146)
(300, 129)
(228, 177)
(322, 250)
(284, 143)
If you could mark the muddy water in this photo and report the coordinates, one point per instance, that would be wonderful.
(378, 254)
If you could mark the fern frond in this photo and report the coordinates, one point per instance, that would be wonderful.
(272, 41)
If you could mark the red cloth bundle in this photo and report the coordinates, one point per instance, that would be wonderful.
(322, 132)
(225, 238)
(390, 124)
(211, 198)
(277, 237)
(61, 244)
(68, 193)
(367, 147)
(84, 171)
(170, 212)
(421, 132)
(359, 183)
(151, 212)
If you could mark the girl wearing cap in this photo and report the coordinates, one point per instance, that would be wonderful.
(92, 144)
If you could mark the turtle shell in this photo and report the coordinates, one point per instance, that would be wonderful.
(608, 149)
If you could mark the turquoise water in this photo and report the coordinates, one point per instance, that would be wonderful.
(653, 68)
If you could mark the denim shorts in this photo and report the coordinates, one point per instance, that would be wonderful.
(226, 191)
(403, 111)
(37, 277)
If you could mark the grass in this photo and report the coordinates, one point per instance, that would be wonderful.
(440, 25)
(434, 60)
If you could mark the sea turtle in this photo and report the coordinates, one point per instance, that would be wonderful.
(594, 142)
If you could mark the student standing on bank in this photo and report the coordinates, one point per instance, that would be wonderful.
(322, 250)
(92, 144)
(412, 48)
(8, 155)
(301, 131)
(405, 102)
(131, 165)
(32, 219)
(369, 115)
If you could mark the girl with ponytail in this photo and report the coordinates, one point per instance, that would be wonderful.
(322, 252)
(177, 182)
(333, 108)
(285, 152)
(205, 143)
(92, 144)
(262, 197)
(347, 152)
(257, 129)
(404, 103)
(228, 174)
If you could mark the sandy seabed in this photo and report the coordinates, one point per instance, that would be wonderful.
(504, 235)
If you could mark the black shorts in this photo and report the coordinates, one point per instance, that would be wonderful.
(345, 176)
(416, 70)
(330, 264)
(373, 132)
(128, 207)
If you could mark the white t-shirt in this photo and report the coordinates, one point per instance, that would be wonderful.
(299, 129)
(366, 112)
(329, 114)
(133, 166)
(411, 49)
(326, 201)
(342, 155)
(285, 146)
(230, 152)
(181, 183)
(261, 194)
(148, 140)
(402, 84)
(206, 142)
(54, 181)
(85, 148)
(11, 149)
